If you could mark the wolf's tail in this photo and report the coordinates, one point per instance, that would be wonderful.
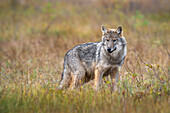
(59, 86)
(62, 75)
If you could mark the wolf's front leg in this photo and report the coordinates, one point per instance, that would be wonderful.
(115, 73)
(98, 78)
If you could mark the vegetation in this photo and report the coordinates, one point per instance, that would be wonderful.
(35, 35)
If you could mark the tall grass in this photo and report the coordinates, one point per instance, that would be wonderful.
(34, 38)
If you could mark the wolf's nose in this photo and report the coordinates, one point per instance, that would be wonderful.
(109, 50)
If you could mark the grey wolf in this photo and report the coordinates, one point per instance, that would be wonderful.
(95, 60)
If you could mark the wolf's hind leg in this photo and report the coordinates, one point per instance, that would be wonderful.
(78, 79)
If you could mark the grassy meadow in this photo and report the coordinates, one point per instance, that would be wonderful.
(35, 35)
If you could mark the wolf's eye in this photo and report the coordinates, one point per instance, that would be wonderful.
(107, 40)
(114, 40)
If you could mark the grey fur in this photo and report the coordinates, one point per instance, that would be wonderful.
(81, 62)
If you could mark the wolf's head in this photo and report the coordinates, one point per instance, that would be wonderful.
(112, 38)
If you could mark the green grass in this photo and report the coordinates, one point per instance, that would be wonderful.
(34, 38)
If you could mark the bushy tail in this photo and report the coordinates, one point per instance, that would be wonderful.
(62, 75)
(59, 86)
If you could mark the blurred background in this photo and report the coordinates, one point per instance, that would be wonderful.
(38, 33)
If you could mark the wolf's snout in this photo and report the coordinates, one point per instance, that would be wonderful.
(109, 50)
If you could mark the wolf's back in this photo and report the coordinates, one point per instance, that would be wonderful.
(85, 52)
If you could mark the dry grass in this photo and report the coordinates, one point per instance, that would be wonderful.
(35, 37)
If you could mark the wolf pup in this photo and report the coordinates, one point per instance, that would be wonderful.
(95, 60)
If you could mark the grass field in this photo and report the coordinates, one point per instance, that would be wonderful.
(34, 37)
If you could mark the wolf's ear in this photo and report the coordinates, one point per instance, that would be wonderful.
(120, 30)
(103, 29)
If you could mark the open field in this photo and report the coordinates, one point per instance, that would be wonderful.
(34, 37)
